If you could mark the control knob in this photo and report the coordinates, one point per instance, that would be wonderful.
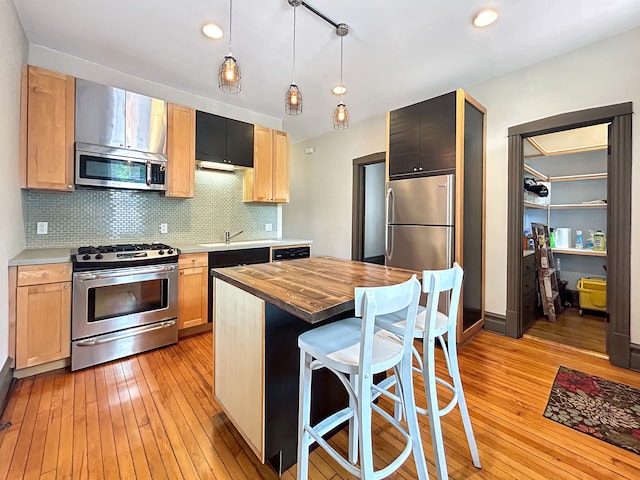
(161, 252)
(86, 256)
(99, 256)
(170, 251)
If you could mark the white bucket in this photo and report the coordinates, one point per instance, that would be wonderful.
(563, 237)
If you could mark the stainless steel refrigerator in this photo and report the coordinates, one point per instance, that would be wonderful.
(420, 215)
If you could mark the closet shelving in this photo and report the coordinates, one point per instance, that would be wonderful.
(567, 178)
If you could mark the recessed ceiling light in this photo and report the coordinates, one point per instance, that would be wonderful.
(485, 17)
(339, 90)
(212, 30)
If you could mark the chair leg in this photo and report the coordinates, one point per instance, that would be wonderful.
(304, 416)
(429, 375)
(464, 412)
(364, 423)
(353, 421)
(405, 385)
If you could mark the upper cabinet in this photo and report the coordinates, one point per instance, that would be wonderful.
(112, 117)
(268, 181)
(47, 129)
(422, 138)
(181, 136)
(223, 140)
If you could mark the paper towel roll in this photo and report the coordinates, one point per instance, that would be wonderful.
(563, 237)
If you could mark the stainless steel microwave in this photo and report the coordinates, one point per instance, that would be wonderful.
(111, 167)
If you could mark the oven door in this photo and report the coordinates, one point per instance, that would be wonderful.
(106, 301)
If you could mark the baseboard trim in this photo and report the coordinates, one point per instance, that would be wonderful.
(495, 323)
(6, 377)
(45, 367)
(205, 327)
(634, 354)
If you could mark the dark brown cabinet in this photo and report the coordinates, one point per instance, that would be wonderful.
(422, 138)
(530, 307)
(223, 140)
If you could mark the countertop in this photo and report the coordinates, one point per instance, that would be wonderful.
(312, 289)
(36, 256)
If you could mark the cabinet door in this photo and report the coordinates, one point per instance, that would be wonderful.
(211, 137)
(107, 128)
(280, 187)
(146, 123)
(438, 134)
(263, 164)
(239, 143)
(404, 140)
(48, 155)
(43, 323)
(192, 297)
(181, 136)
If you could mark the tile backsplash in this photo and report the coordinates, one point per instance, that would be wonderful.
(100, 216)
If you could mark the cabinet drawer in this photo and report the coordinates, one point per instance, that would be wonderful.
(41, 274)
(528, 264)
(529, 283)
(530, 311)
(188, 260)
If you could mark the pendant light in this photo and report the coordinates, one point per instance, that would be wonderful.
(293, 98)
(229, 75)
(341, 115)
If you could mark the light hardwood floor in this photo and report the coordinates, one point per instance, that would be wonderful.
(587, 331)
(154, 416)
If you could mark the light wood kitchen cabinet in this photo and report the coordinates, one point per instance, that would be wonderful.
(268, 181)
(47, 129)
(181, 151)
(192, 289)
(43, 314)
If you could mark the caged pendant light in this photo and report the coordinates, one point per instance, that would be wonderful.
(293, 98)
(229, 75)
(341, 114)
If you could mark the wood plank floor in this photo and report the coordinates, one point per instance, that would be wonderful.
(154, 416)
(587, 331)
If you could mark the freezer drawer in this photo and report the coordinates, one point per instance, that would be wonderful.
(419, 247)
(421, 201)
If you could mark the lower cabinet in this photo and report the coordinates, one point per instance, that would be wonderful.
(530, 309)
(43, 314)
(192, 289)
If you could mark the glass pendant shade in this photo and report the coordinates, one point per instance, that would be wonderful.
(341, 117)
(293, 100)
(229, 76)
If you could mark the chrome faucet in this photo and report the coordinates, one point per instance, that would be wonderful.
(228, 236)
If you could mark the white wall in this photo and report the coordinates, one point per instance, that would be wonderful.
(13, 53)
(600, 74)
(321, 186)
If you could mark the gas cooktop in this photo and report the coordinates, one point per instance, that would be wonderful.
(121, 255)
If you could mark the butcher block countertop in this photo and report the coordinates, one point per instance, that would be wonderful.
(313, 289)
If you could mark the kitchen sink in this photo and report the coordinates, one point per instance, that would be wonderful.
(236, 244)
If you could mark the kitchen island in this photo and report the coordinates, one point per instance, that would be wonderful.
(260, 312)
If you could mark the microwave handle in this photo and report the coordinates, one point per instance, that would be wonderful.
(148, 173)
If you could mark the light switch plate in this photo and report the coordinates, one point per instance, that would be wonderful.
(42, 228)
(268, 227)
(164, 228)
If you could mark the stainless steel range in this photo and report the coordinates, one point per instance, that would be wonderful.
(125, 301)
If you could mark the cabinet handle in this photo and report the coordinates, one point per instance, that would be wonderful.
(415, 169)
(70, 187)
(420, 168)
(67, 286)
(45, 274)
(169, 193)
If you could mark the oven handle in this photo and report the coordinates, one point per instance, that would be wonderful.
(124, 273)
(112, 338)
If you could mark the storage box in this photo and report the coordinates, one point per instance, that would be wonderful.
(593, 294)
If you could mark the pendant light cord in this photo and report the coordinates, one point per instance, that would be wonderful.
(230, 24)
(341, 86)
(293, 74)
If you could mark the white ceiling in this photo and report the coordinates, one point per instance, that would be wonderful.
(397, 52)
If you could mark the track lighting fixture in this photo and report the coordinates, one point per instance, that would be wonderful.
(229, 74)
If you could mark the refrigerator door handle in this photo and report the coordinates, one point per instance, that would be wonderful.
(386, 222)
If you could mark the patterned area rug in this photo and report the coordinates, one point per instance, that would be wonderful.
(606, 410)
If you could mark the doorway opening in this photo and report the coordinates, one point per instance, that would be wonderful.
(565, 188)
(368, 223)
(619, 165)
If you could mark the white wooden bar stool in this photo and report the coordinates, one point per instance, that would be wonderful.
(355, 350)
(432, 324)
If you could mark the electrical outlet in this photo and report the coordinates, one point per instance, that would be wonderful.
(268, 227)
(43, 228)
(164, 228)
